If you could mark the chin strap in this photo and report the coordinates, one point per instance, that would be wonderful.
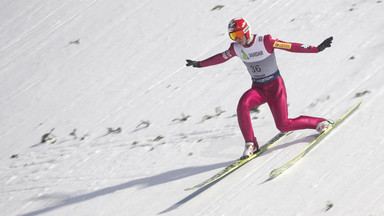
(249, 40)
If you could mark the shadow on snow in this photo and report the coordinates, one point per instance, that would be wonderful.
(145, 182)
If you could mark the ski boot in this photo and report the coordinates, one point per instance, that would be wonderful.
(323, 126)
(250, 149)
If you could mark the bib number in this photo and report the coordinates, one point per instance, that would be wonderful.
(255, 68)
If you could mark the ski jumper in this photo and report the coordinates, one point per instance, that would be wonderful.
(267, 84)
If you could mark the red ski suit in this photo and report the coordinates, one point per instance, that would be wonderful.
(266, 88)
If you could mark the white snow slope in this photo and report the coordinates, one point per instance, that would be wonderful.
(89, 68)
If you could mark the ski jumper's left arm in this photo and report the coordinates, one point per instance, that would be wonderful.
(273, 43)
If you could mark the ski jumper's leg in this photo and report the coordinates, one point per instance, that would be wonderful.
(277, 101)
(250, 99)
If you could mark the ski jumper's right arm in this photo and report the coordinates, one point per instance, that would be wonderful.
(219, 58)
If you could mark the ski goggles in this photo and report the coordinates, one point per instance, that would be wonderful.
(238, 34)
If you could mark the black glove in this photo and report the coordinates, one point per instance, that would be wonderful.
(193, 63)
(326, 43)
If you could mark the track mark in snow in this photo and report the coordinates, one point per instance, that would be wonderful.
(23, 43)
(21, 91)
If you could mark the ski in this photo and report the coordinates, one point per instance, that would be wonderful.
(239, 162)
(278, 171)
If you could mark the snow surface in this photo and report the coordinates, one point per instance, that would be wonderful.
(81, 67)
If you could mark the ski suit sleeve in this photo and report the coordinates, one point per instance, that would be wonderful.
(273, 43)
(219, 58)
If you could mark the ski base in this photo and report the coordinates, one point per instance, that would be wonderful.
(278, 171)
(239, 162)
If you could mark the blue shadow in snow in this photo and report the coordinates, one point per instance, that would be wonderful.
(145, 182)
